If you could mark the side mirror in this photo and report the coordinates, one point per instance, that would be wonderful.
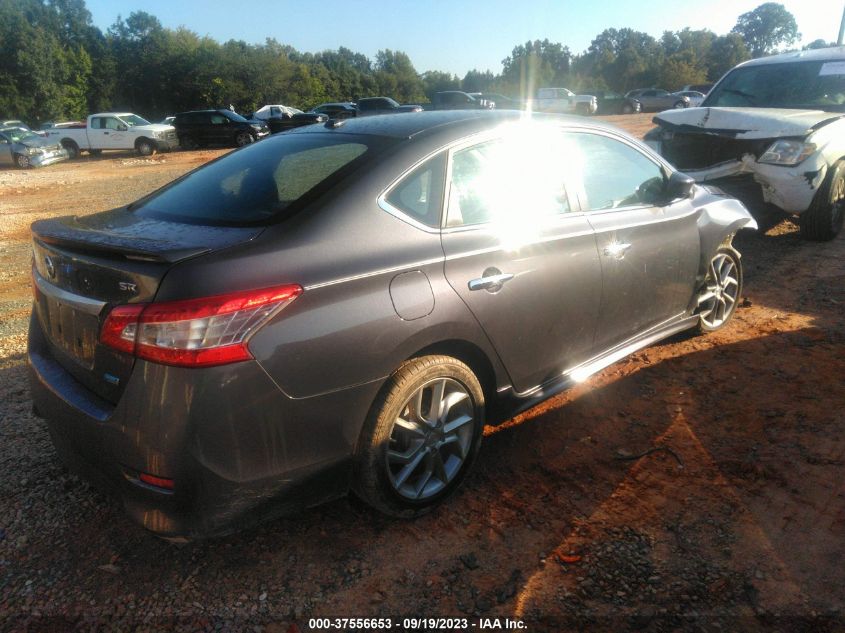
(679, 186)
(122, 128)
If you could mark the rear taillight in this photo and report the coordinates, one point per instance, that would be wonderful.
(197, 332)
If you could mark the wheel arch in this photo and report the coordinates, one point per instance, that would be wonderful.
(140, 139)
(469, 354)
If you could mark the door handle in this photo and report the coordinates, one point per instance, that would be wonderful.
(493, 283)
(616, 250)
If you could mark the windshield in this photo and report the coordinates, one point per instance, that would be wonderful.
(258, 183)
(234, 116)
(801, 85)
(20, 135)
(133, 119)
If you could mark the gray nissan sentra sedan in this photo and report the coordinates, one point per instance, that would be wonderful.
(344, 306)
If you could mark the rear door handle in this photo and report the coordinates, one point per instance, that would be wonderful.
(616, 250)
(490, 282)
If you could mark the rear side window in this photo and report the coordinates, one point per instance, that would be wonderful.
(420, 193)
(258, 183)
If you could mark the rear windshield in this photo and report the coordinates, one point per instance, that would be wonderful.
(803, 85)
(260, 183)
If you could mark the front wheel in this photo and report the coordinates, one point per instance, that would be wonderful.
(823, 220)
(421, 437)
(23, 161)
(243, 138)
(146, 147)
(717, 299)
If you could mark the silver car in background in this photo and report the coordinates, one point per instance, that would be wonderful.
(657, 100)
(24, 149)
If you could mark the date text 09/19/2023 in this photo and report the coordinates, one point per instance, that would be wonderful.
(417, 625)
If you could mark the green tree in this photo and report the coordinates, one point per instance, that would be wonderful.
(535, 65)
(819, 44)
(396, 77)
(623, 59)
(726, 52)
(437, 81)
(766, 28)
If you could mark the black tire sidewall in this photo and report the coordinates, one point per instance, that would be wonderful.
(372, 482)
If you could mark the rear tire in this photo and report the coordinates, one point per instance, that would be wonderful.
(72, 149)
(411, 455)
(823, 220)
(22, 161)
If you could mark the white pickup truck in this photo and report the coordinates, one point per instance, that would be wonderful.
(564, 100)
(115, 130)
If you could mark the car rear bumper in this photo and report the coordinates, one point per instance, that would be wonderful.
(237, 449)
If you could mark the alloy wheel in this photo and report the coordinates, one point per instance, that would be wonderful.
(23, 161)
(430, 439)
(717, 300)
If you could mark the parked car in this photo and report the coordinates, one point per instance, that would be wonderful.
(24, 148)
(457, 100)
(702, 88)
(501, 101)
(272, 111)
(771, 132)
(344, 110)
(199, 128)
(657, 99)
(564, 100)
(20, 124)
(280, 118)
(114, 130)
(609, 102)
(695, 97)
(383, 105)
(315, 313)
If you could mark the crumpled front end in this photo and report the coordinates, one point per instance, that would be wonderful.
(723, 146)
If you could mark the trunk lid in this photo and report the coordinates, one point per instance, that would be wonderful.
(82, 267)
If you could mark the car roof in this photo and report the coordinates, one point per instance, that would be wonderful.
(835, 53)
(454, 123)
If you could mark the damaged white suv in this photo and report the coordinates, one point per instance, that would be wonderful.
(771, 133)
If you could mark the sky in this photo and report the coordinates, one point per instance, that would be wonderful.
(453, 35)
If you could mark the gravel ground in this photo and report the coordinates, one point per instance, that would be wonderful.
(734, 523)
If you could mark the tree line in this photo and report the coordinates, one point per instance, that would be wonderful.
(56, 65)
